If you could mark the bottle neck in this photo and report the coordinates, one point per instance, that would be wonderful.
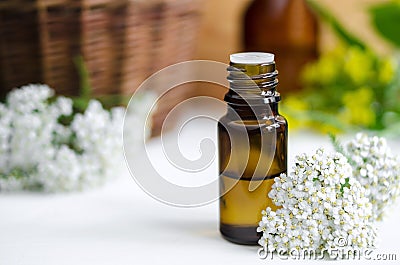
(252, 92)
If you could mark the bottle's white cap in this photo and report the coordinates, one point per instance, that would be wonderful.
(252, 58)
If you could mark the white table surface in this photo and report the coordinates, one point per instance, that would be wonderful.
(120, 224)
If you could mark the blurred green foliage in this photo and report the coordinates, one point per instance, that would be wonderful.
(351, 87)
(386, 20)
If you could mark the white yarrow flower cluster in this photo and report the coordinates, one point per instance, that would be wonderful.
(376, 169)
(320, 203)
(38, 152)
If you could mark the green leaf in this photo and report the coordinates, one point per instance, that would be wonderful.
(338, 28)
(386, 20)
(336, 143)
(345, 185)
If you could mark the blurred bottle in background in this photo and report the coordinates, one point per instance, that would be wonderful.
(287, 28)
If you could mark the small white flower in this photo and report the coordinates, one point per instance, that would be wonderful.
(376, 169)
(320, 202)
(37, 152)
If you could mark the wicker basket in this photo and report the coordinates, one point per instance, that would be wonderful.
(122, 42)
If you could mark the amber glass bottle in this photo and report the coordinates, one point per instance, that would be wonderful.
(287, 27)
(252, 145)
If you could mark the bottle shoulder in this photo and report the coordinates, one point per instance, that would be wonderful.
(276, 121)
(229, 118)
(281, 119)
